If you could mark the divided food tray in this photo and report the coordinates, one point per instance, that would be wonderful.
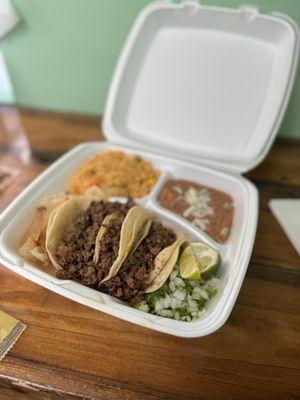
(235, 253)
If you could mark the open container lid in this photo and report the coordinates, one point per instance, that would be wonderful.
(206, 84)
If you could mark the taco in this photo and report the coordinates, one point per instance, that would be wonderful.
(163, 265)
(33, 243)
(61, 219)
(134, 229)
(32, 246)
(76, 231)
(104, 230)
(156, 252)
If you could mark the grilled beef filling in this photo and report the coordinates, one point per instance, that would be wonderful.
(129, 283)
(109, 247)
(76, 250)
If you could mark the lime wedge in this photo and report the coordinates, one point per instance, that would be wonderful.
(188, 264)
(207, 257)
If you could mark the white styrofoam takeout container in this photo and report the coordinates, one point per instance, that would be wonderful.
(200, 92)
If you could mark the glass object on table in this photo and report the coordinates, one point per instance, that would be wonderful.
(15, 151)
(14, 147)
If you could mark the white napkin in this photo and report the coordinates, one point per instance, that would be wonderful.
(287, 213)
(8, 17)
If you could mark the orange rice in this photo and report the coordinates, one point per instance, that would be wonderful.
(116, 173)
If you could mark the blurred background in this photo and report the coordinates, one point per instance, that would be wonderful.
(62, 54)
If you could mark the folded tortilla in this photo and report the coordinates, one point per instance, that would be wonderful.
(134, 229)
(163, 265)
(61, 220)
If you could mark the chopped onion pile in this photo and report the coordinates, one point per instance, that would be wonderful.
(180, 299)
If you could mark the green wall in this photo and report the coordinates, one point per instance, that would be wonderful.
(62, 55)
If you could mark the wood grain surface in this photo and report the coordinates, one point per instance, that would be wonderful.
(70, 351)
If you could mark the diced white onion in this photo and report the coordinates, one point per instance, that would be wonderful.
(166, 301)
(158, 305)
(166, 313)
(179, 303)
(172, 286)
(179, 282)
(173, 275)
(179, 294)
(204, 294)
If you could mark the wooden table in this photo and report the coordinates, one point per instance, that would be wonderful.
(69, 350)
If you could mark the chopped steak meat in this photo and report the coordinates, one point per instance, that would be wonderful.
(76, 250)
(129, 284)
(109, 247)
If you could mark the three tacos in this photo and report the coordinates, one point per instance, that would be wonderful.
(115, 247)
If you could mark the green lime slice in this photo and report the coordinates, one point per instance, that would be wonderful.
(207, 257)
(188, 264)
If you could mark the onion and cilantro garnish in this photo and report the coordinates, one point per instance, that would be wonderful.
(180, 299)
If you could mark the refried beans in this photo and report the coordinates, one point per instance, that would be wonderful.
(209, 209)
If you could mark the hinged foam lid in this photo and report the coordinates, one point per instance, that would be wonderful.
(203, 83)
